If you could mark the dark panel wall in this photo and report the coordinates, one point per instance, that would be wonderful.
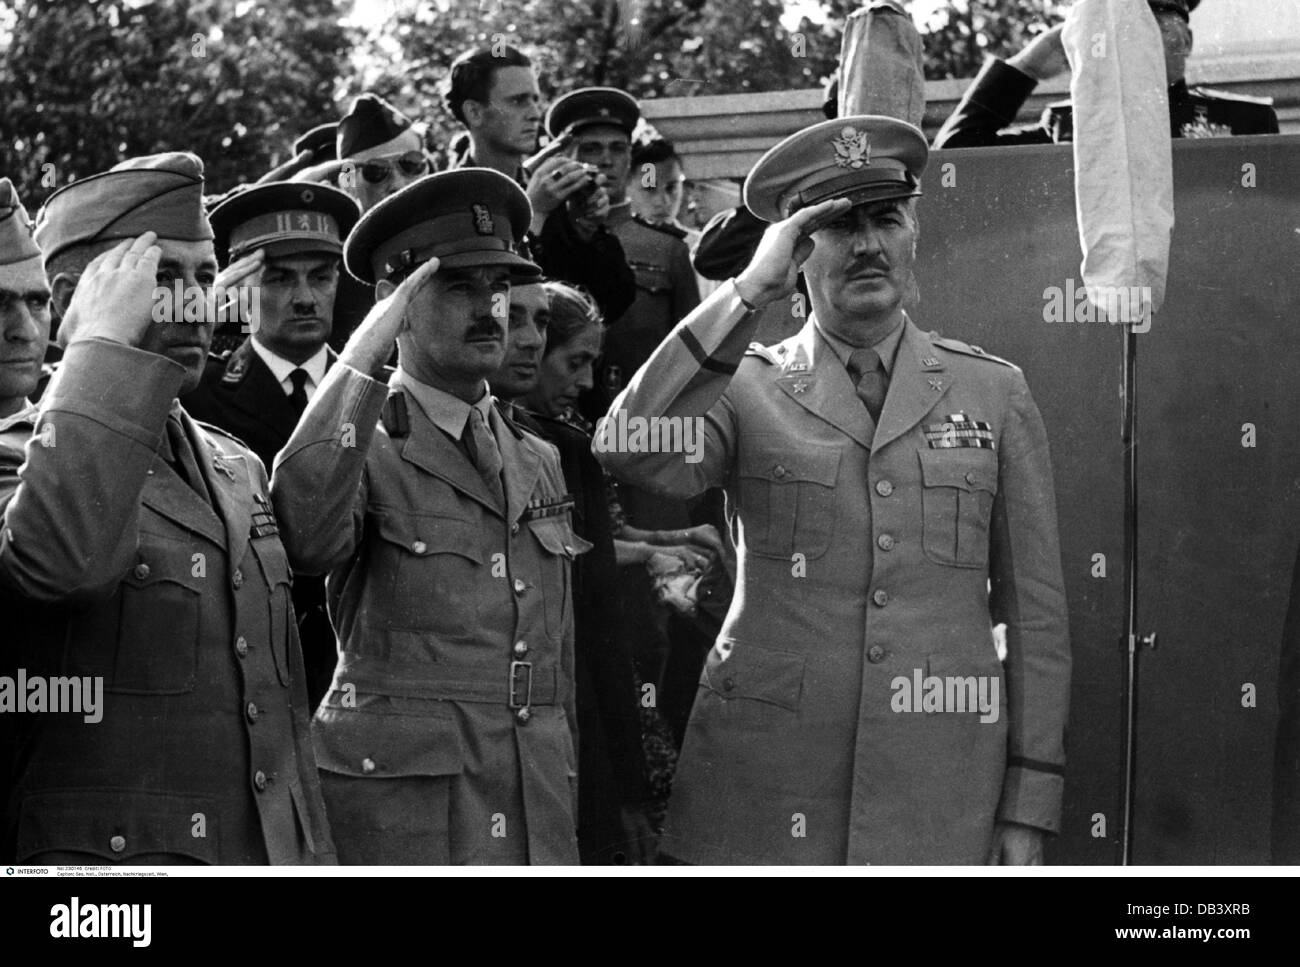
(1220, 522)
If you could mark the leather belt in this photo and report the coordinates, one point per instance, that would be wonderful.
(516, 685)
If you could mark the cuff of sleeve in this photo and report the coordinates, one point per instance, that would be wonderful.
(1002, 89)
(126, 389)
(1032, 797)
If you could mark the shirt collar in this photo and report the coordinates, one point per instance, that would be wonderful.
(886, 348)
(26, 415)
(448, 413)
(281, 368)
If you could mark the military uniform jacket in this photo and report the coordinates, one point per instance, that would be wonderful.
(182, 607)
(864, 559)
(447, 606)
(994, 98)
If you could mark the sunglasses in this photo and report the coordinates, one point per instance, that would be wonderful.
(411, 164)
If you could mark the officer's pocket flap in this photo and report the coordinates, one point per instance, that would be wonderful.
(736, 669)
(555, 534)
(965, 468)
(780, 460)
(424, 534)
(118, 825)
(374, 745)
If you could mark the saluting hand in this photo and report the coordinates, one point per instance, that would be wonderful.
(114, 298)
(774, 270)
(244, 271)
(372, 343)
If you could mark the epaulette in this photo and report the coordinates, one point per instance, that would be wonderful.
(216, 431)
(966, 349)
(773, 354)
(394, 416)
(672, 230)
(1212, 94)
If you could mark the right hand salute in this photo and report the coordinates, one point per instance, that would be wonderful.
(372, 343)
(774, 270)
(114, 298)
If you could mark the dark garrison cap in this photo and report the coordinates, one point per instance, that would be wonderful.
(320, 141)
(1181, 7)
(864, 158)
(593, 105)
(465, 218)
(284, 218)
(160, 193)
(16, 244)
(370, 123)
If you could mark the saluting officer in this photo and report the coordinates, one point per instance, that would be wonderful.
(147, 555)
(878, 478)
(446, 532)
(293, 234)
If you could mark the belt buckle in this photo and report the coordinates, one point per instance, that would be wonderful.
(515, 666)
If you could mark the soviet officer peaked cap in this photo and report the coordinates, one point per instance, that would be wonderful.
(589, 106)
(284, 218)
(864, 158)
(465, 218)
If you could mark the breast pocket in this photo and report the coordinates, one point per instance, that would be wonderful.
(957, 503)
(787, 495)
(562, 547)
(159, 608)
(652, 278)
(432, 568)
(279, 584)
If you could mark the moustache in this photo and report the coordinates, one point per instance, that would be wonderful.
(487, 328)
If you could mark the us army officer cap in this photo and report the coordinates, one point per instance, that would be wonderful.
(465, 218)
(863, 158)
(284, 218)
(593, 105)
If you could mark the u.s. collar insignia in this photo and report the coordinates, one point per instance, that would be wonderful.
(930, 361)
(936, 383)
(852, 149)
(482, 219)
(219, 465)
(798, 366)
(800, 385)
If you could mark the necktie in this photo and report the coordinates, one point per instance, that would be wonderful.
(298, 396)
(182, 458)
(485, 453)
(870, 378)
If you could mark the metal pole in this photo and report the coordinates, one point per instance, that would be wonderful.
(1129, 645)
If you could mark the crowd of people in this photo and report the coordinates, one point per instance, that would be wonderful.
(361, 587)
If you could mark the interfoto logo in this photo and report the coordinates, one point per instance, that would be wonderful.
(620, 433)
(1098, 303)
(36, 693)
(198, 305)
(75, 921)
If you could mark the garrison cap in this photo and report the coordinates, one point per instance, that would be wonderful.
(160, 193)
(284, 218)
(466, 218)
(1181, 7)
(372, 125)
(593, 105)
(864, 158)
(17, 248)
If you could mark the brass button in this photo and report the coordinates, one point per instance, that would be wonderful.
(241, 646)
(514, 528)
(728, 684)
(523, 715)
(885, 542)
(970, 476)
(117, 844)
(238, 578)
(875, 654)
(884, 488)
(367, 765)
(881, 598)
(252, 711)
(520, 586)
(419, 547)
(259, 780)
(521, 648)
(779, 471)
(141, 571)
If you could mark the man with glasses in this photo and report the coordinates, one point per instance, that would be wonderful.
(381, 151)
